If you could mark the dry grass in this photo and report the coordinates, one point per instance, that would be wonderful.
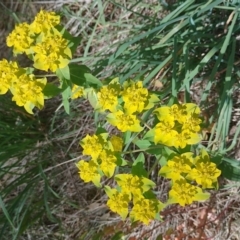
(81, 208)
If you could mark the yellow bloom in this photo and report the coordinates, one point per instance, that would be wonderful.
(145, 210)
(186, 137)
(8, 74)
(117, 143)
(177, 167)
(124, 122)
(88, 171)
(44, 21)
(134, 184)
(93, 145)
(185, 193)
(205, 172)
(27, 92)
(77, 91)
(52, 53)
(165, 133)
(21, 39)
(171, 113)
(108, 162)
(50, 62)
(118, 202)
(108, 96)
(135, 97)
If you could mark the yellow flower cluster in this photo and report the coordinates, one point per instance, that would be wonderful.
(184, 170)
(26, 89)
(104, 157)
(124, 103)
(42, 42)
(131, 188)
(45, 45)
(178, 125)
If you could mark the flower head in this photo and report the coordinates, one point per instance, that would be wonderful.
(205, 172)
(52, 53)
(108, 162)
(145, 210)
(108, 96)
(44, 21)
(165, 133)
(8, 73)
(124, 122)
(21, 39)
(88, 171)
(93, 145)
(177, 166)
(134, 184)
(28, 91)
(185, 193)
(117, 143)
(118, 201)
(136, 98)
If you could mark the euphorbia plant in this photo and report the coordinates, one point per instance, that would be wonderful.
(167, 132)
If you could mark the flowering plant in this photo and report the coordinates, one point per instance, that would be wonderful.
(167, 132)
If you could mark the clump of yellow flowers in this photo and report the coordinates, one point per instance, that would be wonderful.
(175, 127)
(49, 50)
(143, 125)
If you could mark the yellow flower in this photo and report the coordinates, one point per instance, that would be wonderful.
(145, 210)
(177, 167)
(52, 53)
(108, 162)
(108, 96)
(185, 193)
(8, 74)
(117, 143)
(124, 122)
(27, 92)
(44, 21)
(21, 39)
(165, 133)
(186, 137)
(118, 201)
(134, 184)
(136, 98)
(171, 113)
(88, 171)
(93, 145)
(205, 172)
(77, 91)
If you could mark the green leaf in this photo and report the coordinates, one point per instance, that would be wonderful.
(63, 73)
(51, 90)
(81, 74)
(142, 144)
(91, 79)
(66, 106)
(149, 135)
(29, 70)
(91, 95)
(65, 96)
(138, 166)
